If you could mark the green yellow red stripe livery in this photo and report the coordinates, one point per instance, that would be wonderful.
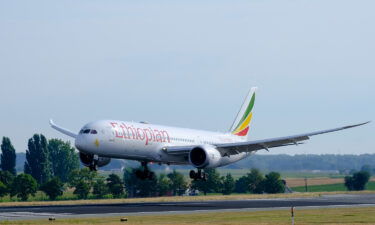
(242, 122)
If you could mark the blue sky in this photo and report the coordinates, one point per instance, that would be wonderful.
(190, 64)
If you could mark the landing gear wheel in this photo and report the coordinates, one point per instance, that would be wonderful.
(145, 174)
(198, 175)
(192, 174)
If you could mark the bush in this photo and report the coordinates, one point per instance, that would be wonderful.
(23, 186)
(273, 183)
(3, 190)
(82, 190)
(358, 181)
(241, 185)
(53, 188)
(228, 184)
(115, 185)
(7, 179)
(100, 189)
(255, 181)
(163, 185)
(82, 180)
(252, 182)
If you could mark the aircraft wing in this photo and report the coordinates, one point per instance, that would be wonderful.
(250, 146)
(62, 130)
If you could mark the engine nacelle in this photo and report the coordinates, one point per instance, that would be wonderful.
(204, 157)
(88, 159)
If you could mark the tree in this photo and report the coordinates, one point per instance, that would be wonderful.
(100, 188)
(63, 158)
(358, 181)
(177, 182)
(7, 179)
(212, 184)
(255, 181)
(82, 190)
(82, 180)
(163, 185)
(273, 183)
(53, 188)
(23, 186)
(8, 156)
(115, 185)
(3, 189)
(228, 184)
(137, 187)
(83, 174)
(37, 162)
(241, 185)
(130, 181)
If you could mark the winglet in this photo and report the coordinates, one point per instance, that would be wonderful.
(62, 130)
(51, 122)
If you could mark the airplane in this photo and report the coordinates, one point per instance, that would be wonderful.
(99, 141)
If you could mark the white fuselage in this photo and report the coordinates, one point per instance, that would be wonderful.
(145, 142)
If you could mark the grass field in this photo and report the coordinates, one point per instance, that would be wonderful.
(302, 217)
(330, 187)
(163, 199)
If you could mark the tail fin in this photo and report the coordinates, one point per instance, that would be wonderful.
(241, 124)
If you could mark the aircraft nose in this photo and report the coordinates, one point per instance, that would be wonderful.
(79, 142)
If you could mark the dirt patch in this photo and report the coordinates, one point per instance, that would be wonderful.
(296, 182)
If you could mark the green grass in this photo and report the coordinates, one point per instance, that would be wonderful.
(330, 187)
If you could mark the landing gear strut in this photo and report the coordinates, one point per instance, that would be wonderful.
(145, 173)
(94, 163)
(198, 175)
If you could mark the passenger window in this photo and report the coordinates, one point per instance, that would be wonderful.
(93, 132)
(86, 131)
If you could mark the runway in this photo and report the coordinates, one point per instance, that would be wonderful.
(37, 212)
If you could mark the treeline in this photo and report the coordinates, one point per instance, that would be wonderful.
(89, 184)
(48, 164)
(341, 163)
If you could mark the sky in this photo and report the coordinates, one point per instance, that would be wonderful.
(191, 64)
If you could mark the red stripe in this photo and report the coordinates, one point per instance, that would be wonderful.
(243, 132)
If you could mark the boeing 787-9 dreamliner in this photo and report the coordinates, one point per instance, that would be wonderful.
(99, 141)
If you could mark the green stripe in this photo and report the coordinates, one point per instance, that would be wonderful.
(248, 110)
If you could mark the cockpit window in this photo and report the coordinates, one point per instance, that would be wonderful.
(93, 132)
(86, 131)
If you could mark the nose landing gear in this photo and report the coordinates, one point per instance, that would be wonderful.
(94, 164)
(198, 175)
(145, 173)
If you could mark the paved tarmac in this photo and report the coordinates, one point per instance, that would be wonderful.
(101, 210)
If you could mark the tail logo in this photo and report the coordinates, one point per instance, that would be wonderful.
(243, 125)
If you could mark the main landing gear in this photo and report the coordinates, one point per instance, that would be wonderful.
(198, 175)
(145, 173)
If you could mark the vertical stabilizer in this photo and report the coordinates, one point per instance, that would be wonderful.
(241, 124)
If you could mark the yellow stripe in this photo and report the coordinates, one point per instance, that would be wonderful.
(245, 123)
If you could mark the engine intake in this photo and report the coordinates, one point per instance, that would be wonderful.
(88, 159)
(204, 157)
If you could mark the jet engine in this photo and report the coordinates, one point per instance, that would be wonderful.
(88, 159)
(206, 156)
